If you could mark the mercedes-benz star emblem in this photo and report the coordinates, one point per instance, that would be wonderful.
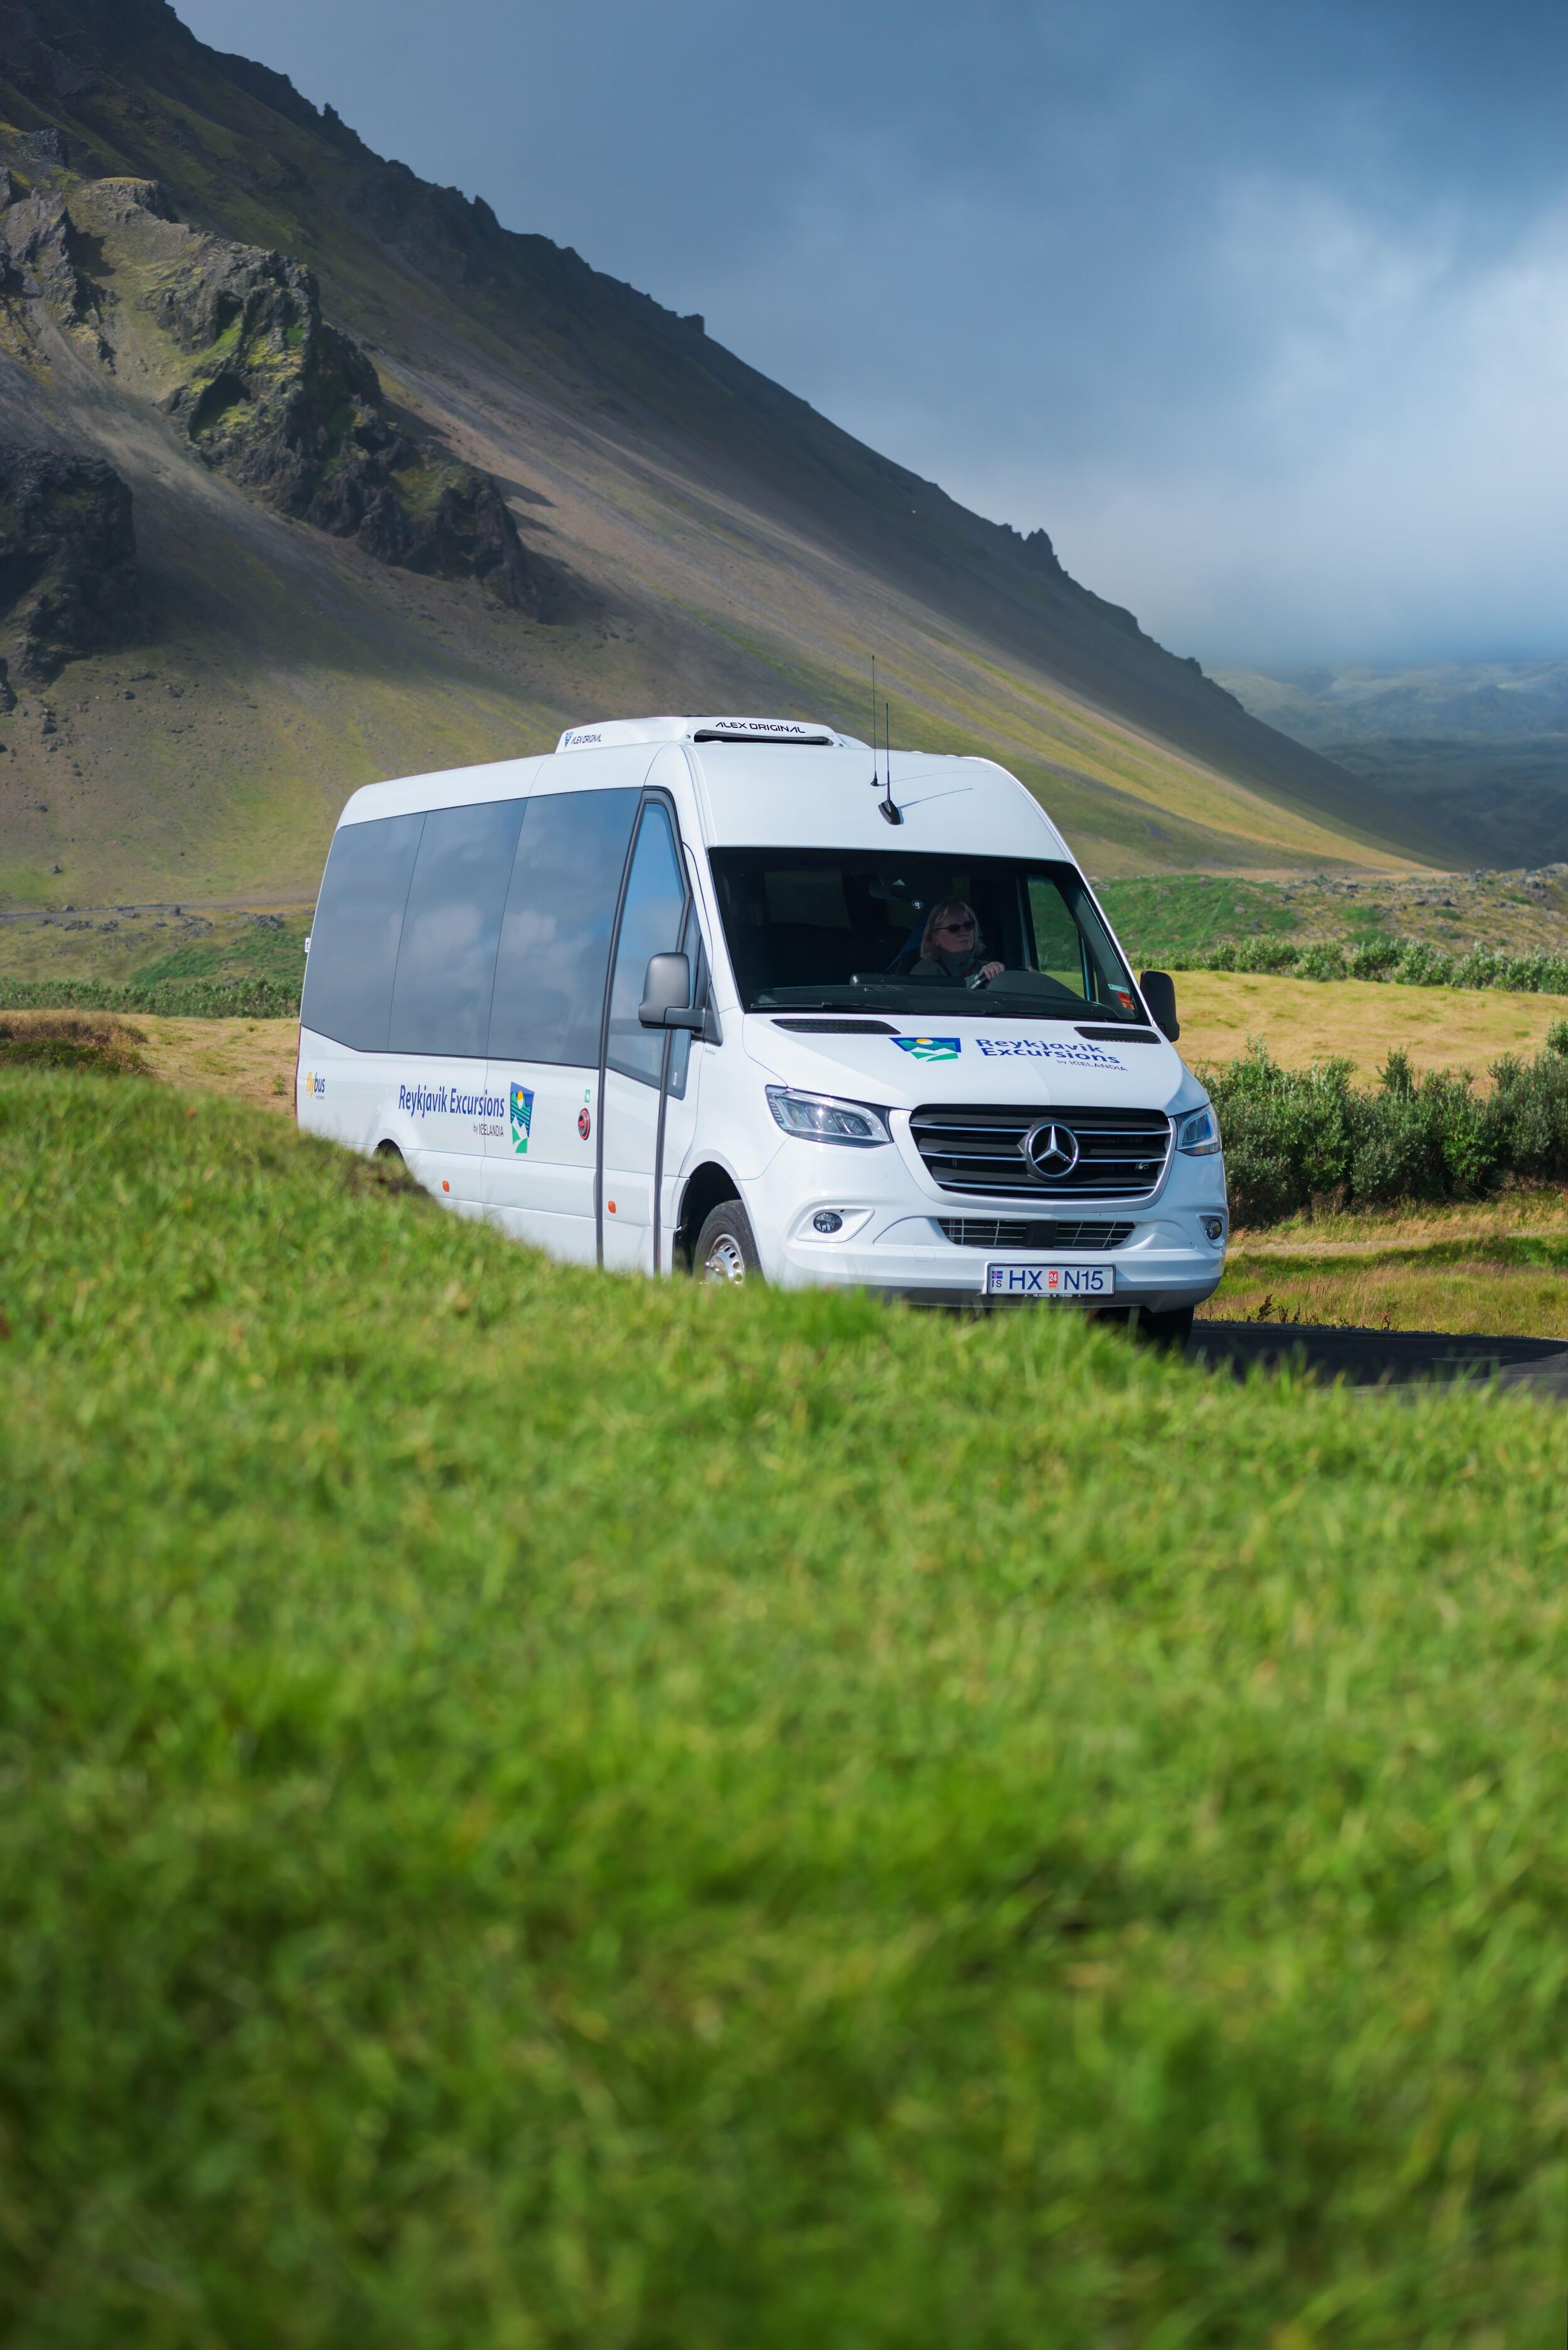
(1051, 1151)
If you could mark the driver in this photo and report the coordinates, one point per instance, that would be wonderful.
(951, 946)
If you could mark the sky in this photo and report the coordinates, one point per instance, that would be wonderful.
(1261, 310)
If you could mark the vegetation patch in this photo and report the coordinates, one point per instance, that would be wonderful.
(69, 1041)
(1506, 1288)
(1296, 1136)
(545, 1807)
(191, 999)
(1169, 920)
(1408, 963)
(1417, 929)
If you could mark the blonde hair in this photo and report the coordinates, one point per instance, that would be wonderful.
(938, 916)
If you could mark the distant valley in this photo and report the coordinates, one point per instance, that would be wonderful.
(1482, 747)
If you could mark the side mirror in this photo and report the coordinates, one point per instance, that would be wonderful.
(667, 994)
(1159, 995)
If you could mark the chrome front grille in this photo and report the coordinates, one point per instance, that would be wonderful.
(978, 1147)
(1035, 1233)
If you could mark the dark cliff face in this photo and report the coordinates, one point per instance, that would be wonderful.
(271, 394)
(68, 581)
(290, 407)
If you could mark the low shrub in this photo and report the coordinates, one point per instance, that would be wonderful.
(1323, 960)
(188, 999)
(1292, 1136)
(1407, 963)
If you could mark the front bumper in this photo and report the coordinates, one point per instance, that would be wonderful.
(1166, 1264)
(891, 1235)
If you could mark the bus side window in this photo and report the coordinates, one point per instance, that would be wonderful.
(356, 928)
(446, 963)
(556, 933)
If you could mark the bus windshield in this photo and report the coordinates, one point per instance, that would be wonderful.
(868, 930)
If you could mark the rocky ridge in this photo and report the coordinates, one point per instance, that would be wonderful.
(230, 344)
(292, 408)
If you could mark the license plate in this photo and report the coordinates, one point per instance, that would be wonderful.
(1012, 1276)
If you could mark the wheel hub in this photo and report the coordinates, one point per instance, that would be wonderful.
(724, 1261)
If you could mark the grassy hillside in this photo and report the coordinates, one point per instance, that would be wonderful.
(1170, 919)
(1301, 1021)
(710, 539)
(552, 1810)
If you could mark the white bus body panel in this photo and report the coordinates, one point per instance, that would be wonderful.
(451, 1120)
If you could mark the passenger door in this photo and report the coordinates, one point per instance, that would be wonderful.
(651, 1074)
(546, 1018)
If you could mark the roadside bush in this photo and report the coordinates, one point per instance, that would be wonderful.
(1531, 1109)
(1287, 1132)
(1293, 1136)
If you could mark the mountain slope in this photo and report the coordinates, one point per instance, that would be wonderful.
(681, 532)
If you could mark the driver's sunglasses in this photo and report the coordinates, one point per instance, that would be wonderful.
(956, 930)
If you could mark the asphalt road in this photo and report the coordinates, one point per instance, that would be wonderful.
(1371, 1358)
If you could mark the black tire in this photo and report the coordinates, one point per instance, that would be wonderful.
(725, 1249)
(1169, 1332)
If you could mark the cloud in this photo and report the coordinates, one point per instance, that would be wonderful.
(1257, 312)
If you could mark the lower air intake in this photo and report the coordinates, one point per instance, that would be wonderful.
(1037, 1232)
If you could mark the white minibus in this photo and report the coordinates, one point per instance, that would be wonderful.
(733, 994)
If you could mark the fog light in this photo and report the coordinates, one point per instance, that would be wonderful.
(1214, 1226)
(827, 1219)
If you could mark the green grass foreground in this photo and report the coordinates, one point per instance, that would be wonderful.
(545, 1810)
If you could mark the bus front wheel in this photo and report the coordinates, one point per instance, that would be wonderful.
(725, 1249)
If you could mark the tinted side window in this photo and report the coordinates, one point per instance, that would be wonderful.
(650, 924)
(359, 923)
(555, 935)
(446, 964)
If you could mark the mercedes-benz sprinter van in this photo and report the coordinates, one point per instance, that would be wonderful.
(716, 992)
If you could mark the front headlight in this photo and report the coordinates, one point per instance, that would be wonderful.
(1197, 1133)
(818, 1118)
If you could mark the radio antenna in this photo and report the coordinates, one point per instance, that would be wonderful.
(893, 815)
(875, 778)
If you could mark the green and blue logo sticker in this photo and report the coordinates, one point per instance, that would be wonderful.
(521, 1118)
(929, 1048)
